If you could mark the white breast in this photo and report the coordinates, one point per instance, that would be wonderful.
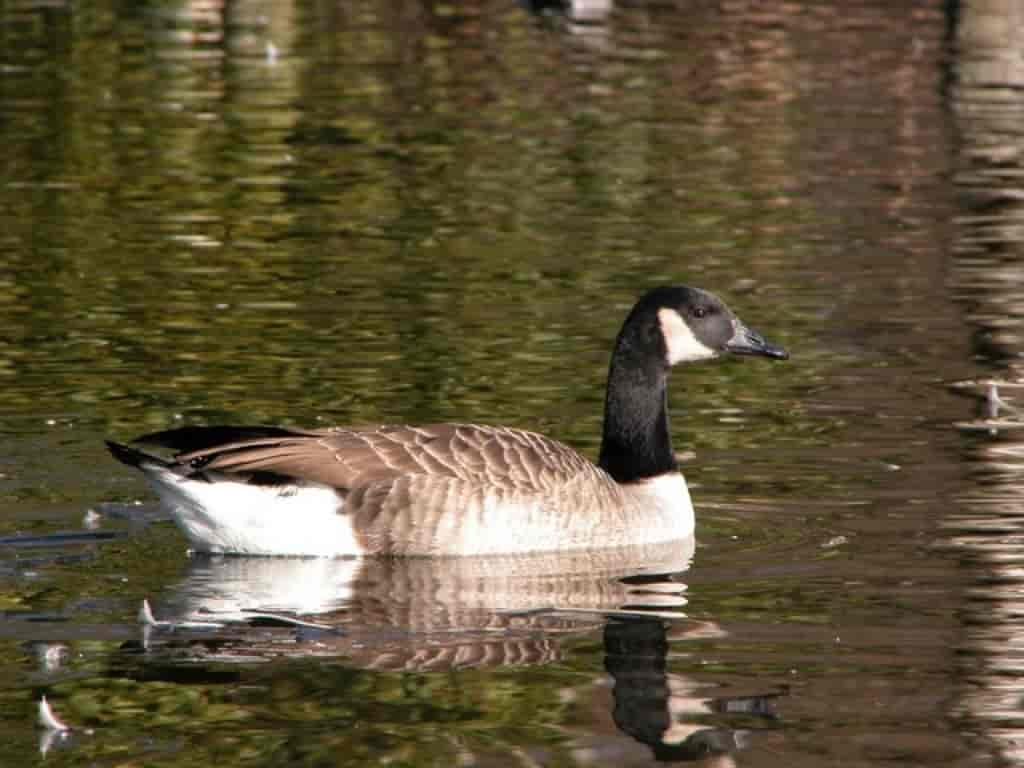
(661, 509)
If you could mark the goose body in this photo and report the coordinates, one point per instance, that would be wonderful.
(455, 489)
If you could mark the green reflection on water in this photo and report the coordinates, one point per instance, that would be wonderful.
(223, 239)
(307, 714)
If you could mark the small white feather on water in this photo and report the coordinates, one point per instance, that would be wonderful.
(146, 617)
(48, 720)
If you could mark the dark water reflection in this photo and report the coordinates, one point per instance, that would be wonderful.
(318, 213)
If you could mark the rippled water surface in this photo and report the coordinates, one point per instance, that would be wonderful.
(319, 213)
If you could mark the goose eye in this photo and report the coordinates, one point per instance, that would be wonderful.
(700, 312)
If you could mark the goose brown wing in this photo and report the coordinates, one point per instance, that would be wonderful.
(343, 458)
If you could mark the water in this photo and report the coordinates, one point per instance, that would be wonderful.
(361, 212)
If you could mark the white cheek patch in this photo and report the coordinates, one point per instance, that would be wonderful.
(682, 345)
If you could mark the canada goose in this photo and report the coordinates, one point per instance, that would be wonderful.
(455, 489)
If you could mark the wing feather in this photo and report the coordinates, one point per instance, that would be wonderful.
(345, 458)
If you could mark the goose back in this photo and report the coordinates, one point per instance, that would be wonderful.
(346, 458)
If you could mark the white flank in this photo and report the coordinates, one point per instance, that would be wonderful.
(682, 345)
(235, 518)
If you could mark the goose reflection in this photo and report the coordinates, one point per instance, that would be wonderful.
(429, 613)
(438, 614)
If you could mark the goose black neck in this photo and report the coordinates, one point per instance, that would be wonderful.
(636, 443)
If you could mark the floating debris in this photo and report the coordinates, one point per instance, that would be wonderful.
(1000, 414)
(92, 520)
(51, 656)
(250, 617)
(48, 720)
(981, 386)
(989, 425)
(279, 620)
(996, 403)
(57, 539)
(147, 619)
(609, 613)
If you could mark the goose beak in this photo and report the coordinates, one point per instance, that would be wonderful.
(747, 342)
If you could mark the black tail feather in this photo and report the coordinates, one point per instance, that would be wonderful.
(190, 439)
(134, 457)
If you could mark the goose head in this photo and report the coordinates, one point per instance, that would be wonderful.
(680, 324)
